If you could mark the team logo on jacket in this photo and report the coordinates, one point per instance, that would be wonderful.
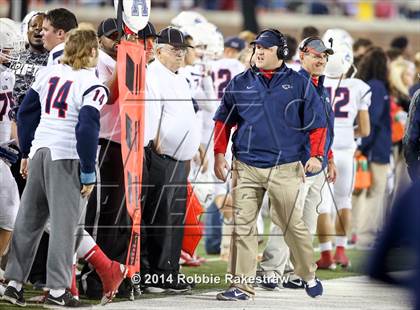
(287, 86)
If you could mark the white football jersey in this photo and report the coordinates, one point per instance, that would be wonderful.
(7, 82)
(202, 90)
(223, 70)
(62, 93)
(110, 114)
(294, 65)
(348, 98)
(55, 55)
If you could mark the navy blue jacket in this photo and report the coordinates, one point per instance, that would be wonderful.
(377, 146)
(273, 116)
(411, 141)
(329, 115)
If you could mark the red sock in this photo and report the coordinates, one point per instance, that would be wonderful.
(326, 255)
(74, 290)
(340, 250)
(98, 259)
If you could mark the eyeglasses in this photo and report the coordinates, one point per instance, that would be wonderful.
(322, 56)
(176, 50)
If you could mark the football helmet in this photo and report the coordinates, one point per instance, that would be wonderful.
(340, 62)
(208, 40)
(337, 35)
(188, 18)
(12, 42)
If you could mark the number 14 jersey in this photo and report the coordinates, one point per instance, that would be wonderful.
(347, 97)
(62, 93)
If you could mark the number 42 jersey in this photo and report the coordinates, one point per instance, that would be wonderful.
(348, 97)
(62, 93)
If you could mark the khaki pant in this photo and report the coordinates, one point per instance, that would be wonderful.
(315, 196)
(282, 183)
(371, 215)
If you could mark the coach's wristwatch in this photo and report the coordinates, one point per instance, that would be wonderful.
(320, 158)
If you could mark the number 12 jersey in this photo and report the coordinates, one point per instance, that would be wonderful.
(348, 97)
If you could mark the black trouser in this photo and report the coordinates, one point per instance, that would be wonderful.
(108, 219)
(114, 223)
(164, 211)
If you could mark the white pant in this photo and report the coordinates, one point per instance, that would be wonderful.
(344, 184)
(9, 198)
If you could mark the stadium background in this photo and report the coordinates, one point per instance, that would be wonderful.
(379, 20)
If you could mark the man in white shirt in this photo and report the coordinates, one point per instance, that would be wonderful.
(176, 139)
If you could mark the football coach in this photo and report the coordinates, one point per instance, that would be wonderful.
(274, 109)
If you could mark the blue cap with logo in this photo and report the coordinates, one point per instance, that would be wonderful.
(268, 39)
(235, 42)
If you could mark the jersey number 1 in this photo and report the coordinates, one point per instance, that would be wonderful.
(59, 101)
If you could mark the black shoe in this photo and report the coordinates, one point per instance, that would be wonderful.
(65, 300)
(178, 287)
(169, 288)
(14, 296)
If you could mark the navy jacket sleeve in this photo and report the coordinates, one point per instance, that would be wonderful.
(314, 114)
(29, 115)
(87, 136)
(376, 110)
(412, 137)
(227, 112)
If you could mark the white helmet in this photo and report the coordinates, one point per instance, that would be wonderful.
(337, 34)
(207, 37)
(12, 42)
(188, 18)
(340, 62)
(216, 44)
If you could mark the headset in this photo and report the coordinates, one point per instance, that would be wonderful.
(283, 49)
(303, 45)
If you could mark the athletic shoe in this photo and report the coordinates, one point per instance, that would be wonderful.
(175, 287)
(232, 294)
(326, 261)
(111, 280)
(314, 291)
(294, 284)
(341, 258)
(65, 300)
(14, 296)
(268, 284)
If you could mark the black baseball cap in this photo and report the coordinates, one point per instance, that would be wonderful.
(172, 36)
(315, 45)
(148, 31)
(107, 27)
